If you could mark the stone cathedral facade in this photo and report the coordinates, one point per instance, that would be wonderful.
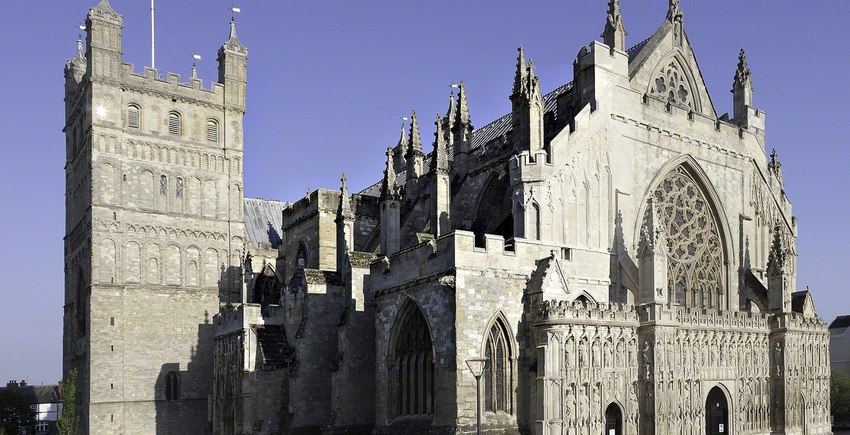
(621, 255)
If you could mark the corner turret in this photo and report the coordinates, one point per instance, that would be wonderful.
(233, 69)
(103, 38)
(527, 109)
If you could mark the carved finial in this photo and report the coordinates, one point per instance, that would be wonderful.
(463, 107)
(674, 12)
(742, 74)
(652, 231)
(388, 185)
(519, 76)
(775, 166)
(440, 158)
(614, 34)
(344, 210)
(402, 139)
(415, 142)
(776, 257)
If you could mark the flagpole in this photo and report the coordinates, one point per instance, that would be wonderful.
(153, 40)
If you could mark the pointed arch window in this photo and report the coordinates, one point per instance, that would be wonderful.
(498, 375)
(134, 116)
(411, 364)
(175, 127)
(212, 130)
(695, 258)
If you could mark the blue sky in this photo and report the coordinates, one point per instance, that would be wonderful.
(330, 80)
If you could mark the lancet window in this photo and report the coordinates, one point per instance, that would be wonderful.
(411, 364)
(695, 251)
(498, 374)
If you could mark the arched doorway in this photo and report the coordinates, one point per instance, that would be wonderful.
(613, 420)
(716, 413)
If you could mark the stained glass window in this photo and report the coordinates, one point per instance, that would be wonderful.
(695, 253)
(498, 373)
(163, 185)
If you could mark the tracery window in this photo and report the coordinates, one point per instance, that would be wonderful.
(498, 374)
(695, 251)
(672, 84)
(411, 364)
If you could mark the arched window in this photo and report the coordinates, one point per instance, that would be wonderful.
(498, 374)
(174, 125)
(163, 185)
(301, 256)
(212, 130)
(695, 249)
(411, 364)
(178, 188)
(133, 116)
(172, 386)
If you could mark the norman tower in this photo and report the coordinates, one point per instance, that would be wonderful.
(154, 231)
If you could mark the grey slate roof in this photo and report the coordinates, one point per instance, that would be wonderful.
(839, 325)
(263, 221)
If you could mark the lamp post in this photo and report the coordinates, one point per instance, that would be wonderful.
(477, 367)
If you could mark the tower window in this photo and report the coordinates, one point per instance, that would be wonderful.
(178, 188)
(212, 130)
(172, 386)
(163, 185)
(133, 116)
(174, 127)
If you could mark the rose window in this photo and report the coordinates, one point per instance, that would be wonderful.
(695, 254)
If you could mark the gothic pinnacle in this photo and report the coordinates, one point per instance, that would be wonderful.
(674, 12)
(742, 74)
(462, 118)
(402, 140)
(439, 159)
(344, 210)
(614, 34)
(519, 76)
(388, 185)
(776, 257)
(415, 144)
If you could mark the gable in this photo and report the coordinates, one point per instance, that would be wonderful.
(665, 66)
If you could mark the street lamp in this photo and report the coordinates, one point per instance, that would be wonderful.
(477, 367)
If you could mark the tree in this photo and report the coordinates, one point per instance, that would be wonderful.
(68, 422)
(839, 394)
(15, 411)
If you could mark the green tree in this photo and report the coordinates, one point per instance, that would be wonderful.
(839, 394)
(15, 411)
(68, 422)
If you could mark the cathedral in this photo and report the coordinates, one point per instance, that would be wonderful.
(619, 257)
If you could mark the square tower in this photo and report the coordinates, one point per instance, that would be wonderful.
(154, 235)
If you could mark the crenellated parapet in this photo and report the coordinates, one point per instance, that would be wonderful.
(560, 311)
